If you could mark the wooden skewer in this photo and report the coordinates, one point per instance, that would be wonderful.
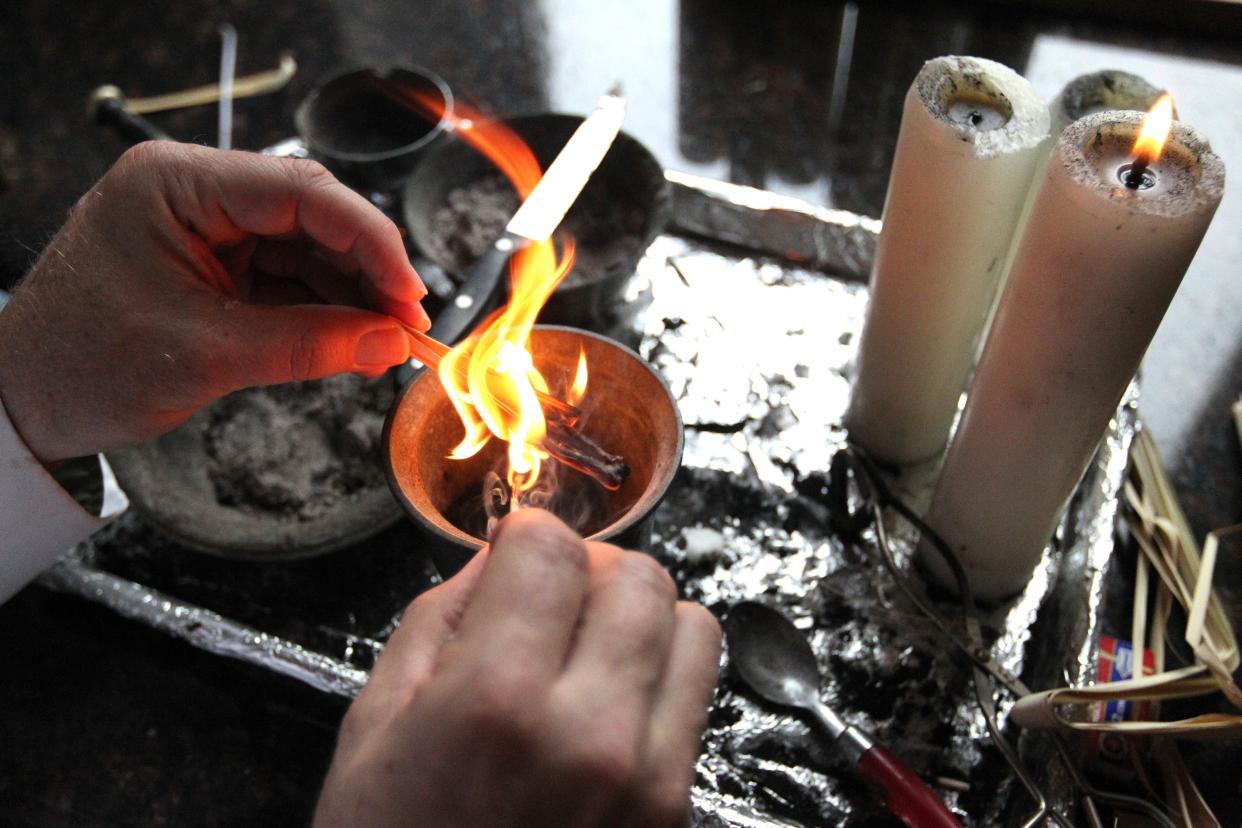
(430, 351)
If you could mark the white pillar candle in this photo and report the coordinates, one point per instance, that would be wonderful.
(1095, 270)
(1102, 91)
(1109, 89)
(971, 133)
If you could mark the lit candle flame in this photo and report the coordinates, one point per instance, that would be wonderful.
(1155, 131)
(491, 378)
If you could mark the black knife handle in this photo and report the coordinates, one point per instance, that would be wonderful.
(438, 282)
(471, 301)
(474, 297)
(133, 128)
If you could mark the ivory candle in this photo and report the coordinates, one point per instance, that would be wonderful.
(1096, 268)
(1110, 89)
(971, 133)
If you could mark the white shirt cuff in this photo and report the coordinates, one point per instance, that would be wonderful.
(39, 520)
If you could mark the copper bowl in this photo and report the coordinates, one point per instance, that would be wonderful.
(628, 410)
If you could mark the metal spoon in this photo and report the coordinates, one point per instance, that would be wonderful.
(776, 661)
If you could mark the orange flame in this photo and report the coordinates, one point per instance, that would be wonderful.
(1155, 131)
(578, 390)
(495, 394)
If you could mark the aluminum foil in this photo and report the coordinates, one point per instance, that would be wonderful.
(757, 351)
(836, 241)
(203, 628)
(758, 354)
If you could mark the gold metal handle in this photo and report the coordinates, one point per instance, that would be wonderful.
(259, 83)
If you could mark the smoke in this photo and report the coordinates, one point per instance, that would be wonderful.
(573, 497)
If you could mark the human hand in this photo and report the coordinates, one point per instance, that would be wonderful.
(553, 682)
(187, 273)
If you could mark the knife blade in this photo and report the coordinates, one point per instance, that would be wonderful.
(537, 217)
(544, 209)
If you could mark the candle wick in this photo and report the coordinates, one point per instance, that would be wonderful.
(1135, 176)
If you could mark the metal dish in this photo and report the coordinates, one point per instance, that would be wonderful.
(362, 134)
(625, 205)
(169, 481)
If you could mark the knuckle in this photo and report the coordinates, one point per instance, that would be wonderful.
(534, 521)
(701, 619)
(504, 707)
(386, 230)
(604, 554)
(421, 608)
(606, 763)
(605, 549)
(421, 603)
(354, 725)
(144, 169)
(648, 572)
(514, 685)
(308, 172)
(540, 535)
(665, 803)
(147, 152)
(305, 355)
(560, 550)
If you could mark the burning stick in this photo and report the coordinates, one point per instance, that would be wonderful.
(572, 448)
(430, 351)
(563, 442)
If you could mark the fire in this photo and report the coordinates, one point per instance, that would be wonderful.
(1155, 131)
(491, 378)
(578, 390)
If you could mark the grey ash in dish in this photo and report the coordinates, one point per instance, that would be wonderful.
(296, 451)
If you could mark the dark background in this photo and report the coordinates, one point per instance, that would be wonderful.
(103, 721)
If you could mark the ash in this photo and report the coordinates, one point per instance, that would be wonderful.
(296, 451)
(473, 217)
(606, 234)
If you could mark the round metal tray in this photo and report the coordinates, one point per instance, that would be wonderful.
(168, 482)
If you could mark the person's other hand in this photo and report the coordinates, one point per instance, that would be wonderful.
(553, 682)
(187, 273)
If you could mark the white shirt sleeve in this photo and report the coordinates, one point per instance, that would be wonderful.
(38, 519)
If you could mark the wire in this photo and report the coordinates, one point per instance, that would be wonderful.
(853, 508)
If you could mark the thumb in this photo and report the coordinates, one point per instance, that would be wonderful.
(269, 344)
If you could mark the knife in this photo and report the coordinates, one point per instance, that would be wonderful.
(537, 218)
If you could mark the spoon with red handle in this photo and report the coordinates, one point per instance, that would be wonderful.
(776, 661)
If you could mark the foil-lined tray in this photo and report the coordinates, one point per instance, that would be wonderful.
(755, 339)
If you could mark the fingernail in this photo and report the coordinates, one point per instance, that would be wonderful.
(418, 280)
(424, 321)
(381, 348)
